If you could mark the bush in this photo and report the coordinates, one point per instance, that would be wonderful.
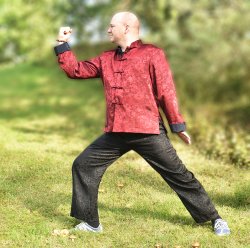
(227, 144)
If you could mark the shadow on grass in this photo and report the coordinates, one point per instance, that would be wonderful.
(240, 199)
(146, 213)
(31, 93)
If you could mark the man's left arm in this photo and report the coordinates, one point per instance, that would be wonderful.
(166, 95)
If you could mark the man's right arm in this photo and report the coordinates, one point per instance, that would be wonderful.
(76, 69)
(68, 61)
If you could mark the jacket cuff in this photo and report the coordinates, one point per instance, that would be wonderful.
(61, 48)
(176, 128)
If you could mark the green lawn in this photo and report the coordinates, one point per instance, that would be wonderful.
(46, 120)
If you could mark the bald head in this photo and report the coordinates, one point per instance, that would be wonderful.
(128, 19)
(124, 29)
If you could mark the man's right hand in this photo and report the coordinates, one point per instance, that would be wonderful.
(64, 34)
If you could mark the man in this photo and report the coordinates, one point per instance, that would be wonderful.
(137, 81)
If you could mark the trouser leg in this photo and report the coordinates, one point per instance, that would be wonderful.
(87, 171)
(160, 154)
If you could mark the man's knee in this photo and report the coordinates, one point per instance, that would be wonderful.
(79, 163)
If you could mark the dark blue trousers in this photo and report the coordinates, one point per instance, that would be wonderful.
(89, 167)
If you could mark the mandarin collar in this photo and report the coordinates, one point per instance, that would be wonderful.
(134, 44)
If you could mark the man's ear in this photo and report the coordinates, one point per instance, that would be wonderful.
(126, 29)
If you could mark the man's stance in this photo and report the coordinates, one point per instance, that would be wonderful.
(137, 81)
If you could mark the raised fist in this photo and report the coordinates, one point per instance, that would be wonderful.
(64, 34)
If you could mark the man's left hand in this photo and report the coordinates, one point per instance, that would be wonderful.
(185, 137)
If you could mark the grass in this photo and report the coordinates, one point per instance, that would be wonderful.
(46, 120)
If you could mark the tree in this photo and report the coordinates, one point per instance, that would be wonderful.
(28, 28)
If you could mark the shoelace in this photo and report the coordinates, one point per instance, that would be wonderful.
(220, 224)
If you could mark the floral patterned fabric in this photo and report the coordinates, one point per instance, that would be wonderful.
(136, 82)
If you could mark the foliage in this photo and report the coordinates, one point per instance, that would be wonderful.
(226, 144)
(28, 28)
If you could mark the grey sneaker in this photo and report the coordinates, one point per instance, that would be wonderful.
(221, 228)
(83, 226)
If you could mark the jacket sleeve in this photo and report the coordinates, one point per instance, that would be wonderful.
(77, 69)
(165, 91)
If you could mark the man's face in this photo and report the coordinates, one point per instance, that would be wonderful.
(116, 30)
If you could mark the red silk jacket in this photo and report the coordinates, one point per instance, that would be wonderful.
(136, 83)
